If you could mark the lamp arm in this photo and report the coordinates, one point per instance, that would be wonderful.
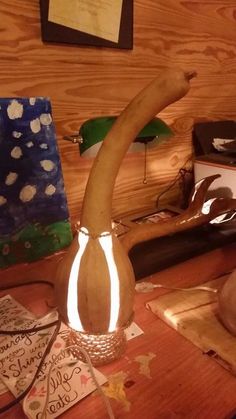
(193, 216)
(170, 86)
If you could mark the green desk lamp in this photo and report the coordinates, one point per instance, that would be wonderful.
(93, 131)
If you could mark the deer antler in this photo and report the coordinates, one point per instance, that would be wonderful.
(199, 212)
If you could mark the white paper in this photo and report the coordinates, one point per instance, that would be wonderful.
(3, 388)
(20, 356)
(69, 383)
(132, 331)
(100, 18)
(10, 314)
(218, 143)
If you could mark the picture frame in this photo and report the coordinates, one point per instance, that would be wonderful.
(150, 216)
(52, 32)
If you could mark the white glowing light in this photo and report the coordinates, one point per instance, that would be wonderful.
(220, 218)
(106, 244)
(207, 206)
(196, 187)
(72, 297)
(105, 240)
(170, 317)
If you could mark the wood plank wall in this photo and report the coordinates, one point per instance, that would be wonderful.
(85, 82)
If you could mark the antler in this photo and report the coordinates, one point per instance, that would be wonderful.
(199, 212)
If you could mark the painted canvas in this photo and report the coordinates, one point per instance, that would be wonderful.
(34, 218)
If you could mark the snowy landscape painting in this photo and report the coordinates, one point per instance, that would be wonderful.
(34, 218)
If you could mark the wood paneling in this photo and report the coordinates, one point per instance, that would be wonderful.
(85, 82)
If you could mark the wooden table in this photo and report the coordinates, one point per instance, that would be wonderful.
(183, 382)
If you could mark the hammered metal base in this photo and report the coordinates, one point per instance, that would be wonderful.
(102, 349)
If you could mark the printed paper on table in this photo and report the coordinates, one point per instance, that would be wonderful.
(20, 356)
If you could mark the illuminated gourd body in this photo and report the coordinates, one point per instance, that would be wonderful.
(100, 287)
(95, 280)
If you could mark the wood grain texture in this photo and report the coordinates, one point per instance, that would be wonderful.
(85, 82)
(183, 384)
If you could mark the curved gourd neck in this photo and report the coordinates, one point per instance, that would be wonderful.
(170, 86)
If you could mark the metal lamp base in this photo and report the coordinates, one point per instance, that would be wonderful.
(102, 349)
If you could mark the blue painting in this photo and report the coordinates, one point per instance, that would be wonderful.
(34, 218)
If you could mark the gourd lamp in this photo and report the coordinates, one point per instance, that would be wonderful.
(95, 282)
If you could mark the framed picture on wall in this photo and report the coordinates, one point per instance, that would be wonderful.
(100, 23)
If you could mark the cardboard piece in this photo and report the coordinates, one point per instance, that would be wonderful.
(193, 314)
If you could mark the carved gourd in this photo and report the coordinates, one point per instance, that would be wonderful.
(94, 283)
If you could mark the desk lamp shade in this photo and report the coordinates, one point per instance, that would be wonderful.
(95, 281)
(93, 131)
